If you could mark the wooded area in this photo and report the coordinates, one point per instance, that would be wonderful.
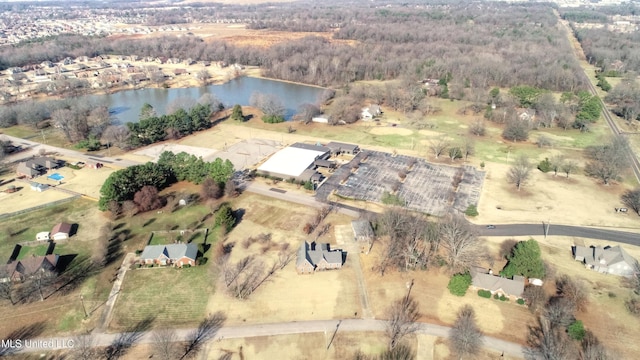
(480, 46)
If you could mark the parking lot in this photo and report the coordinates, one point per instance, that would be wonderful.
(430, 188)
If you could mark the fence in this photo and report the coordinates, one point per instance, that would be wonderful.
(53, 203)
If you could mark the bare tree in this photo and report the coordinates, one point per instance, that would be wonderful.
(439, 145)
(569, 166)
(468, 147)
(117, 135)
(465, 336)
(536, 297)
(269, 104)
(129, 208)
(461, 244)
(6, 288)
(592, 348)
(203, 76)
(210, 190)
(84, 347)
(98, 120)
(148, 199)
(164, 343)
(402, 315)
(184, 103)
(39, 282)
(210, 99)
(519, 172)
(306, 112)
(549, 343)
(572, 290)
(559, 312)
(126, 340)
(477, 128)
(608, 160)
(207, 329)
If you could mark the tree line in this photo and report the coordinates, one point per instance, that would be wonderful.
(511, 45)
(124, 184)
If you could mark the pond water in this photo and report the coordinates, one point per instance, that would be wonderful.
(125, 105)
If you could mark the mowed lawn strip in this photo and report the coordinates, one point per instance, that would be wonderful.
(170, 296)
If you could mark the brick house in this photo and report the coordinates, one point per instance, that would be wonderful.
(316, 257)
(177, 255)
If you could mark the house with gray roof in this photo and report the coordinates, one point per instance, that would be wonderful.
(316, 257)
(485, 280)
(606, 260)
(37, 166)
(177, 255)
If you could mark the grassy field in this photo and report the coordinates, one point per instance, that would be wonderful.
(25, 227)
(52, 136)
(170, 296)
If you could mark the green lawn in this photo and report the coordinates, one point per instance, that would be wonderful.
(168, 295)
(38, 250)
(24, 227)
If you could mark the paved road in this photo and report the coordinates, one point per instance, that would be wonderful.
(296, 197)
(560, 230)
(295, 327)
(32, 148)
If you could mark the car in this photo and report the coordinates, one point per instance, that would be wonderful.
(491, 226)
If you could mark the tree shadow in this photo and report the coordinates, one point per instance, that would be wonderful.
(119, 226)
(22, 334)
(149, 222)
(238, 214)
(19, 232)
(123, 342)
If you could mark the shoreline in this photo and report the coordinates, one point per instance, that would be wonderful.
(253, 72)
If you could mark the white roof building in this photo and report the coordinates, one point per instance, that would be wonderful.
(292, 161)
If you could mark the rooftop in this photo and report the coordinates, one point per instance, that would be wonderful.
(293, 160)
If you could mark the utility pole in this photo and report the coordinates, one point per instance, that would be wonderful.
(86, 315)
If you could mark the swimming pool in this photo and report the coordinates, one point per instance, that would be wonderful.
(55, 176)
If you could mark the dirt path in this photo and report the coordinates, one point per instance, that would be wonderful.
(105, 319)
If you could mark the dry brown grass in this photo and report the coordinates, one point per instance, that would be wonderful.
(287, 296)
(578, 200)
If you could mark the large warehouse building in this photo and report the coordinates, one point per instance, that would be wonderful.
(296, 162)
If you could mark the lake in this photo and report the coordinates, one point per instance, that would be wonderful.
(125, 105)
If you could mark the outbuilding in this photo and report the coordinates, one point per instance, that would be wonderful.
(61, 231)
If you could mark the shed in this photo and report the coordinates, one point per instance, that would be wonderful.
(61, 231)
(42, 236)
(363, 234)
(39, 187)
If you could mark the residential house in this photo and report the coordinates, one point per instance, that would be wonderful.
(28, 267)
(178, 255)
(316, 257)
(607, 260)
(481, 279)
(371, 112)
(179, 71)
(338, 148)
(60, 231)
(363, 234)
(37, 166)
